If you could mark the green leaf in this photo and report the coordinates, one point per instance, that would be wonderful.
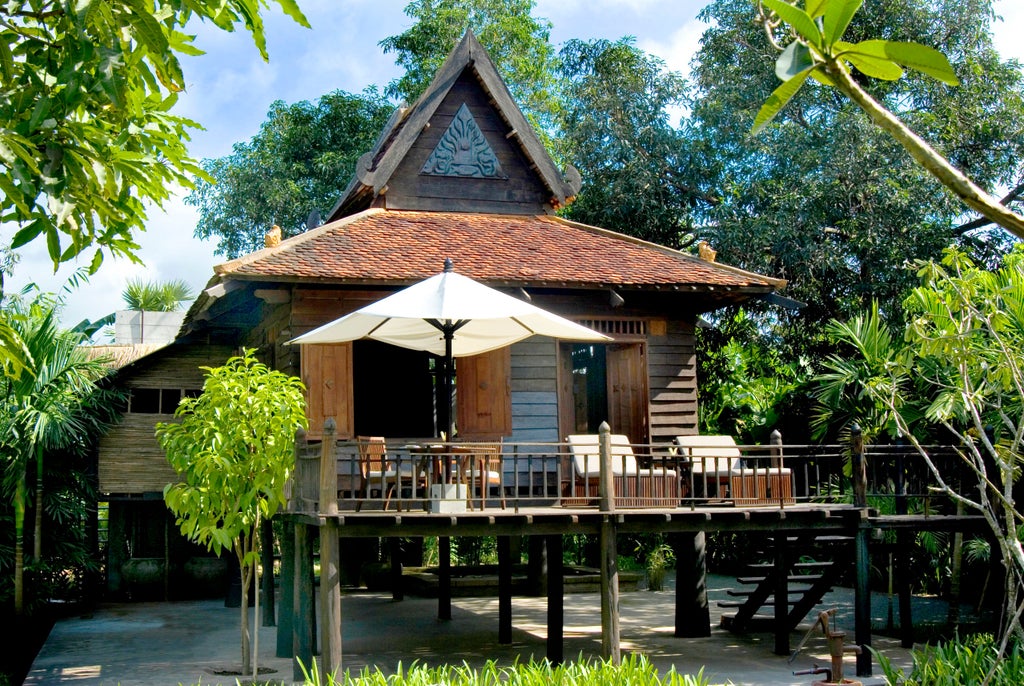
(6, 61)
(838, 14)
(793, 60)
(797, 18)
(815, 8)
(778, 99)
(913, 56)
(27, 233)
(97, 260)
(875, 67)
(291, 8)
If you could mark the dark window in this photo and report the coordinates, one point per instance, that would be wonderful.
(169, 399)
(589, 387)
(193, 392)
(145, 401)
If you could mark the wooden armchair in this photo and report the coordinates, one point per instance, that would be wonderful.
(378, 472)
(482, 471)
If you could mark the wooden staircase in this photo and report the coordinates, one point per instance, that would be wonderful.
(811, 565)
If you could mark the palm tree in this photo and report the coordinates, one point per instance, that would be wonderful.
(154, 296)
(49, 408)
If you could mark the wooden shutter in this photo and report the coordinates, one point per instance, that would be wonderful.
(484, 394)
(327, 373)
(627, 391)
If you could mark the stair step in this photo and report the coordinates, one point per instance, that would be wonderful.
(739, 603)
(795, 565)
(799, 578)
(745, 594)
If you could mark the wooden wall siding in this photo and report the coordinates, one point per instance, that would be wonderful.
(520, 193)
(672, 365)
(130, 459)
(534, 390)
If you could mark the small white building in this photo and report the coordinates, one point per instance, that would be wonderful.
(132, 327)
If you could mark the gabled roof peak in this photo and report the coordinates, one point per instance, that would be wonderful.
(375, 169)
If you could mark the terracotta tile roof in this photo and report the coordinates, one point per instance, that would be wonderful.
(390, 246)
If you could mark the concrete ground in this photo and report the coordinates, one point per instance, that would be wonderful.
(195, 642)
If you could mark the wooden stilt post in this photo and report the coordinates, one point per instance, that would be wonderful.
(395, 553)
(556, 610)
(302, 602)
(781, 596)
(286, 606)
(862, 599)
(609, 555)
(444, 577)
(269, 610)
(693, 617)
(902, 554)
(330, 562)
(504, 590)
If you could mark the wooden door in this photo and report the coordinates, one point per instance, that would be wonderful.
(327, 373)
(483, 387)
(626, 365)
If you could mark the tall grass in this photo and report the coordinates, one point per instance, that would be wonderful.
(971, 660)
(635, 670)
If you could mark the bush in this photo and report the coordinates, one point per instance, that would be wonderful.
(971, 660)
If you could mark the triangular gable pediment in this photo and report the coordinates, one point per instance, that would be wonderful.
(463, 151)
(385, 169)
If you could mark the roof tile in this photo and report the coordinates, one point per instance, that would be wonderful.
(404, 246)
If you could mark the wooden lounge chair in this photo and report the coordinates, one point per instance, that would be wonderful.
(716, 462)
(634, 486)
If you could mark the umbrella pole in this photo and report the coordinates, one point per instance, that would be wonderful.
(449, 373)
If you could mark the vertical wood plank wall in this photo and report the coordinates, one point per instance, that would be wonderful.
(672, 366)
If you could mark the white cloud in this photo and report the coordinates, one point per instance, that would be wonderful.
(1007, 33)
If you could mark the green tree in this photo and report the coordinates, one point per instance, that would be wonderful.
(817, 50)
(300, 161)
(615, 129)
(87, 133)
(963, 370)
(822, 197)
(518, 43)
(234, 447)
(53, 406)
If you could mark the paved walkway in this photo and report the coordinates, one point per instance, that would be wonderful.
(188, 643)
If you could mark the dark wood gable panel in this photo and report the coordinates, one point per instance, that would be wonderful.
(521, 192)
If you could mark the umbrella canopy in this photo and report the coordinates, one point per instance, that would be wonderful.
(449, 315)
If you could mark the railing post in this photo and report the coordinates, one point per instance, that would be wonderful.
(609, 554)
(777, 463)
(328, 470)
(330, 562)
(858, 467)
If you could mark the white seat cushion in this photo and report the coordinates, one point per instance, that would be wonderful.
(711, 455)
(587, 459)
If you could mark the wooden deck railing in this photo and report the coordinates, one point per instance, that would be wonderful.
(421, 475)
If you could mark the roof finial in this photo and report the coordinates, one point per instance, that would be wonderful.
(449, 266)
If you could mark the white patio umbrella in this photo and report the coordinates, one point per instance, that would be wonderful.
(449, 315)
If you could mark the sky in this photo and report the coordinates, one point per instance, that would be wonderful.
(230, 89)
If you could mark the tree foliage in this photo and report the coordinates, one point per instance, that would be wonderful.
(234, 447)
(615, 128)
(87, 133)
(518, 43)
(961, 368)
(818, 51)
(55, 406)
(823, 198)
(156, 296)
(300, 161)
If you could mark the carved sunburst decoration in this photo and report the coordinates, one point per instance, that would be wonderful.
(463, 151)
